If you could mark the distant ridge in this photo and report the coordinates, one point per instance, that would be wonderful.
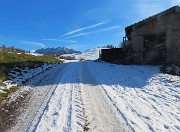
(58, 50)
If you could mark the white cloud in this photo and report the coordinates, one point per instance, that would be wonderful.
(85, 28)
(32, 43)
(61, 40)
(175, 2)
(147, 8)
(78, 35)
(107, 29)
(8, 41)
(98, 31)
(51, 39)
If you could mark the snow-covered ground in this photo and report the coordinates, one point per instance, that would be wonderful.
(18, 76)
(91, 54)
(98, 96)
(72, 105)
(147, 100)
(39, 89)
(64, 112)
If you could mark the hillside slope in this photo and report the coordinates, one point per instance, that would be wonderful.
(91, 54)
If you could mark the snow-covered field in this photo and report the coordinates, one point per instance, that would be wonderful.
(146, 99)
(98, 96)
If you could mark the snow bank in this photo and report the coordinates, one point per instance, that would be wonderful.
(18, 76)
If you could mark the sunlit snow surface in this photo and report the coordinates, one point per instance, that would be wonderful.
(99, 94)
(143, 98)
(18, 75)
(147, 99)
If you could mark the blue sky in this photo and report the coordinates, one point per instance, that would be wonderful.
(78, 24)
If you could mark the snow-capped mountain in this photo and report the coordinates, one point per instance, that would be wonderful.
(58, 50)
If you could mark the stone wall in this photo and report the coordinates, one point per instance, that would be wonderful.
(115, 55)
(137, 49)
(169, 25)
(173, 47)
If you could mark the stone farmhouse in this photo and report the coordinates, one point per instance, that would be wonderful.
(154, 40)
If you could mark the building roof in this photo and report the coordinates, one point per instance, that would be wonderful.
(173, 9)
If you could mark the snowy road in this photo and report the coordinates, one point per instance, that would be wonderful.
(78, 104)
(93, 96)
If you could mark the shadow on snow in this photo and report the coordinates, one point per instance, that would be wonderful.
(97, 73)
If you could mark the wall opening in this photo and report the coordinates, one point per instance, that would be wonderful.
(154, 48)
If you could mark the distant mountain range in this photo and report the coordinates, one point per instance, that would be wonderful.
(58, 50)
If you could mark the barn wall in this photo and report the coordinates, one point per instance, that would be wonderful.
(169, 25)
(115, 55)
(173, 47)
(136, 49)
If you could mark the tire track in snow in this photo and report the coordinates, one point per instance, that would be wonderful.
(79, 109)
(113, 103)
(67, 127)
(100, 115)
(37, 117)
(37, 94)
(64, 113)
(75, 117)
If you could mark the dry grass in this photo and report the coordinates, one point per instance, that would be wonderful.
(3, 76)
(7, 92)
(12, 57)
(2, 84)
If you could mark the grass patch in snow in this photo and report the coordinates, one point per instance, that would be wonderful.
(6, 92)
(170, 69)
(3, 76)
(2, 84)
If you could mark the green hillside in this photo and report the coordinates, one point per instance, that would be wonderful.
(14, 56)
